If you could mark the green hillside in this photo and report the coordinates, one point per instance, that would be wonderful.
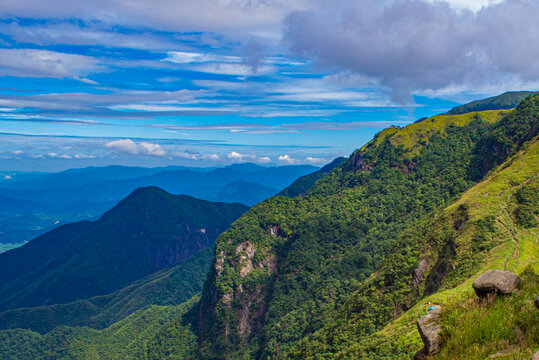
(286, 269)
(148, 231)
(305, 183)
(507, 100)
(479, 231)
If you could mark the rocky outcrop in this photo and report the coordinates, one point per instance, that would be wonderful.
(419, 272)
(430, 330)
(498, 282)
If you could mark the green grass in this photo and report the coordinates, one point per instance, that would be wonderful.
(415, 135)
(475, 329)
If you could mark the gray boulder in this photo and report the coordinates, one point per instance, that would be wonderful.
(430, 330)
(499, 282)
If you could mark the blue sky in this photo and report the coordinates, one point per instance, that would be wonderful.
(208, 82)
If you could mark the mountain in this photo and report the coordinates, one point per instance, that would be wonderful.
(148, 231)
(285, 270)
(507, 100)
(245, 192)
(35, 205)
(303, 184)
(345, 271)
(81, 176)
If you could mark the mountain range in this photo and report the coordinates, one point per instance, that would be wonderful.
(342, 266)
(33, 206)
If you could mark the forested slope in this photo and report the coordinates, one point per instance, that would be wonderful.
(287, 268)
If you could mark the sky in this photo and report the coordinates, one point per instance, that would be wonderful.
(214, 82)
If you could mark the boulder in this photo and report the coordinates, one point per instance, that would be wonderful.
(499, 282)
(430, 330)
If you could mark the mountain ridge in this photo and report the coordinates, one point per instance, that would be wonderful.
(147, 231)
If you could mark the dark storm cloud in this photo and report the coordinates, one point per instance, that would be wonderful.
(414, 45)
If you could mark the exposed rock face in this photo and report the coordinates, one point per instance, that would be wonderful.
(419, 272)
(496, 282)
(430, 330)
(247, 251)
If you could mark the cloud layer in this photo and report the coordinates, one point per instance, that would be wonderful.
(268, 81)
(417, 45)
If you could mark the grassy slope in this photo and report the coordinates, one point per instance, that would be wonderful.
(414, 136)
(465, 320)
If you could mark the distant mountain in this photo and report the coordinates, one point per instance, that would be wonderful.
(507, 100)
(303, 184)
(185, 181)
(84, 194)
(245, 192)
(148, 231)
(71, 177)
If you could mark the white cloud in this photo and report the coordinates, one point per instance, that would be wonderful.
(53, 155)
(234, 155)
(182, 57)
(44, 63)
(187, 15)
(264, 160)
(88, 81)
(195, 155)
(233, 69)
(417, 45)
(287, 159)
(315, 160)
(83, 156)
(129, 147)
